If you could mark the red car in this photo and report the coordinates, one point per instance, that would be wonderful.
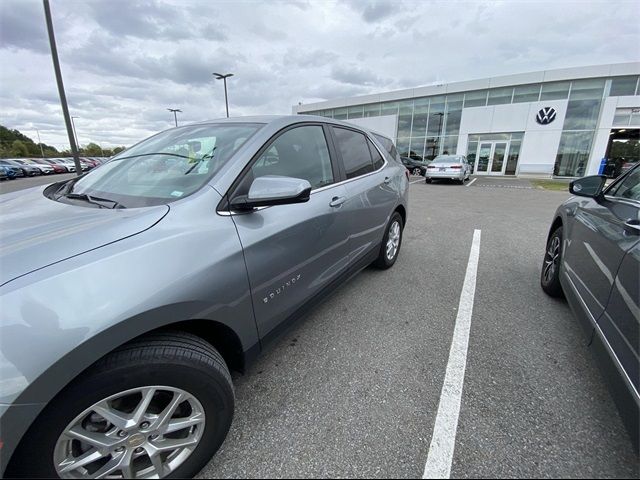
(56, 167)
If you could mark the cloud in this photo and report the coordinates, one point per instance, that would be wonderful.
(356, 75)
(376, 10)
(22, 26)
(124, 62)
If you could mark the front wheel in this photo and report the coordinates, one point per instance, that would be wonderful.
(416, 171)
(157, 407)
(390, 243)
(550, 274)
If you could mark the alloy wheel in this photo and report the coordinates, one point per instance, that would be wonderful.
(551, 259)
(145, 432)
(393, 240)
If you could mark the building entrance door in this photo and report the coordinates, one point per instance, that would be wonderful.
(491, 158)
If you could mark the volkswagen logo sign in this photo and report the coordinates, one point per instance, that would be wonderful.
(546, 115)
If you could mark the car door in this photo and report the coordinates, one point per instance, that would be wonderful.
(598, 236)
(371, 188)
(293, 251)
(621, 320)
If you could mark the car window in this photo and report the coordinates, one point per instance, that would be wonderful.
(378, 161)
(628, 188)
(300, 152)
(355, 152)
(388, 146)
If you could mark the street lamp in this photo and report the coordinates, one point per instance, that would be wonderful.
(440, 114)
(75, 135)
(61, 92)
(175, 117)
(40, 143)
(220, 76)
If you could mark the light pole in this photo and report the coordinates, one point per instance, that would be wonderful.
(75, 134)
(40, 143)
(63, 97)
(220, 76)
(440, 114)
(175, 117)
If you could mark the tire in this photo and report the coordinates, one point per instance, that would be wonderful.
(428, 180)
(173, 360)
(416, 171)
(550, 274)
(383, 261)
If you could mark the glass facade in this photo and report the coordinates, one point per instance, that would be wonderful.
(429, 126)
(581, 120)
(627, 117)
(513, 143)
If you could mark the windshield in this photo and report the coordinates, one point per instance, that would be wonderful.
(447, 159)
(165, 167)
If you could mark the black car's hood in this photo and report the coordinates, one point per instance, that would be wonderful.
(36, 231)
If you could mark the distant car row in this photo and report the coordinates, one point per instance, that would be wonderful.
(11, 168)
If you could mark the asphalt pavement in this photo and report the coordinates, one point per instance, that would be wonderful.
(16, 184)
(353, 390)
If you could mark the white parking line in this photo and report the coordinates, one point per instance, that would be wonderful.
(419, 180)
(469, 184)
(443, 441)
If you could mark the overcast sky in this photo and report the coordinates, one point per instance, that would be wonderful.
(124, 62)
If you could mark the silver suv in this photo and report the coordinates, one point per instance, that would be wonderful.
(129, 293)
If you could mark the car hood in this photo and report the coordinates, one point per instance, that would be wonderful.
(36, 232)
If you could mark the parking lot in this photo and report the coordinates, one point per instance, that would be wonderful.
(354, 389)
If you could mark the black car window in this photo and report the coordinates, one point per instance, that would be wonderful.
(628, 188)
(300, 152)
(355, 152)
(378, 161)
(388, 146)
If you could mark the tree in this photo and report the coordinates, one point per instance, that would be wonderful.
(19, 149)
(92, 150)
(118, 150)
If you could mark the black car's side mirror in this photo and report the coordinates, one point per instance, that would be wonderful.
(591, 186)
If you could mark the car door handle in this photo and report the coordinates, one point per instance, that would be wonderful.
(387, 179)
(337, 201)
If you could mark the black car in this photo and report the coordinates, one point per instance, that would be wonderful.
(593, 259)
(415, 167)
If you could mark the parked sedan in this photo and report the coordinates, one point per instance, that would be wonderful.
(415, 167)
(168, 278)
(593, 259)
(27, 169)
(448, 167)
(11, 172)
(67, 163)
(44, 168)
(56, 167)
(4, 175)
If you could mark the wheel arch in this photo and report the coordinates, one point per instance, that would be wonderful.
(60, 375)
(556, 223)
(403, 213)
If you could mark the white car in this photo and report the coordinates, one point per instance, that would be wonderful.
(448, 167)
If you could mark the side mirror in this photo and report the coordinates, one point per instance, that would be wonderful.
(273, 190)
(588, 186)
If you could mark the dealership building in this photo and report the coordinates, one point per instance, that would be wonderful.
(560, 123)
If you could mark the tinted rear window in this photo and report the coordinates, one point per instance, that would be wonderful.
(355, 152)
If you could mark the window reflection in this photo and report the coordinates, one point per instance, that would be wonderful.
(555, 91)
(500, 96)
(573, 154)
